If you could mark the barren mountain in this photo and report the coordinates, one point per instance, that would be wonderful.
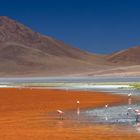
(129, 56)
(126, 63)
(23, 51)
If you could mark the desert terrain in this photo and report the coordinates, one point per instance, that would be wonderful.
(24, 52)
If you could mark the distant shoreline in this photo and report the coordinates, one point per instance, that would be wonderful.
(69, 79)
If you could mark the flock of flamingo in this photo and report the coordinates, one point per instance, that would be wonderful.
(136, 112)
(60, 112)
(131, 110)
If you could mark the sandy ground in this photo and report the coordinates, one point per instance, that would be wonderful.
(24, 115)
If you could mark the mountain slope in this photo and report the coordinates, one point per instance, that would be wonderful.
(23, 51)
(12, 31)
(129, 56)
(124, 63)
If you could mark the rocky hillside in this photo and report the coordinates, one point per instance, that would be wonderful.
(23, 51)
(129, 56)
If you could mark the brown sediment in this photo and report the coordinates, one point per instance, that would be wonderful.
(21, 109)
(13, 99)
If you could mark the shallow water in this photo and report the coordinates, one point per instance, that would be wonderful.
(116, 114)
(68, 79)
(88, 124)
(26, 115)
(113, 116)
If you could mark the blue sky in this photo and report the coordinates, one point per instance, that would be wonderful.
(98, 26)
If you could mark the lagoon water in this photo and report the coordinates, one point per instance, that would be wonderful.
(68, 79)
(114, 116)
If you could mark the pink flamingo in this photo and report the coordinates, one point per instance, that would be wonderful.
(106, 106)
(137, 112)
(129, 99)
(60, 113)
(130, 94)
(78, 110)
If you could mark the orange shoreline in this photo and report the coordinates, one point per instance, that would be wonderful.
(20, 115)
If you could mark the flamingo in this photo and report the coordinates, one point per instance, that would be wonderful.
(130, 94)
(129, 108)
(78, 110)
(106, 106)
(135, 111)
(60, 112)
(78, 102)
(129, 99)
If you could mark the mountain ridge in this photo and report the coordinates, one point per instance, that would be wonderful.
(128, 56)
(25, 52)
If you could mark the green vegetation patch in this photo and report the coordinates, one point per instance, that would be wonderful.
(135, 85)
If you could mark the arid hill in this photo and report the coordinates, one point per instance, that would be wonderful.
(25, 52)
(129, 56)
(125, 63)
